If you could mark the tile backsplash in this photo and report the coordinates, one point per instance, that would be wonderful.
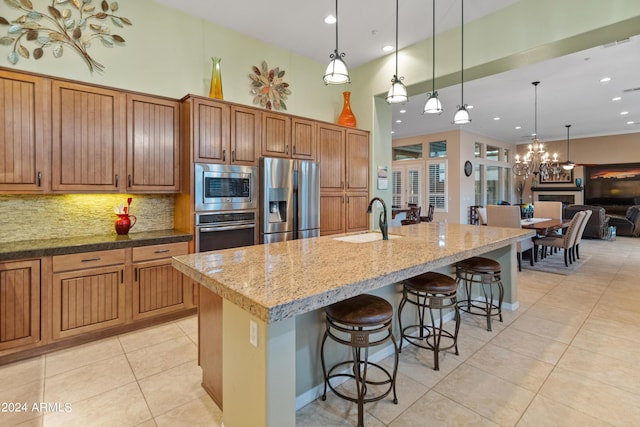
(29, 217)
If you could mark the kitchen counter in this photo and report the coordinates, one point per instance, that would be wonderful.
(272, 299)
(71, 245)
(281, 280)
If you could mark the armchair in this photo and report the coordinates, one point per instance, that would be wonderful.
(598, 224)
(628, 225)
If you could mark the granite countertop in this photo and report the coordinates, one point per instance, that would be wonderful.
(72, 245)
(281, 280)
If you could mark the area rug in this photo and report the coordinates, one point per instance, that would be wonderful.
(555, 264)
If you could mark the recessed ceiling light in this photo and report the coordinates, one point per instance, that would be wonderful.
(624, 113)
(330, 19)
(605, 79)
(403, 111)
(398, 121)
(617, 98)
(387, 48)
(518, 127)
(630, 122)
(496, 118)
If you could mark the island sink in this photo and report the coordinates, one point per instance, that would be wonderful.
(366, 237)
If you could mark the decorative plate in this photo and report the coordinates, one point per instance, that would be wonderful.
(269, 88)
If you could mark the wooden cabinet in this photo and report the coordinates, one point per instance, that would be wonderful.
(159, 288)
(19, 303)
(23, 130)
(222, 133)
(344, 179)
(276, 135)
(153, 156)
(88, 138)
(288, 137)
(210, 343)
(88, 292)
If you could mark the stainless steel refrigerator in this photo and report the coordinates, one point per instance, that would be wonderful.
(290, 199)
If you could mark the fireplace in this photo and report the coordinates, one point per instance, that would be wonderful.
(566, 195)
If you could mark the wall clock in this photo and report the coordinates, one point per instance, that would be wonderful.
(468, 168)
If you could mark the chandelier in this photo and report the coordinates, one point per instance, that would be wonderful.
(537, 161)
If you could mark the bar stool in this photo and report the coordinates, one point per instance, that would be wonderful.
(432, 291)
(360, 322)
(486, 273)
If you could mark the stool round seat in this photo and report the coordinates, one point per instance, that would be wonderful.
(360, 322)
(432, 282)
(485, 273)
(430, 291)
(362, 310)
(479, 264)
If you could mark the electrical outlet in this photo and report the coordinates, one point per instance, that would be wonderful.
(253, 333)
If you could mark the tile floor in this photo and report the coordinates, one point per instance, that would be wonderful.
(566, 357)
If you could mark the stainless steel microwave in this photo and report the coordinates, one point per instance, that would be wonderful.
(225, 187)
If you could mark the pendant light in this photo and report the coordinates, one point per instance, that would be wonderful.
(462, 115)
(568, 165)
(433, 105)
(337, 72)
(398, 92)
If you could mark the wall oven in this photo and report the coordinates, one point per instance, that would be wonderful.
(225, 187)
(224, 230)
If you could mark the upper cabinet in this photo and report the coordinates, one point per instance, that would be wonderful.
(153, 156)
(331, 157)
(23, 126)
(357, 160)
(288, 137)
(88, 138)
(222, 133)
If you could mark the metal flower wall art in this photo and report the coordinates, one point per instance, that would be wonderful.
(65, 24)
(269, 88)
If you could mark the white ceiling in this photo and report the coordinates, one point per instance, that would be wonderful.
(569, 92)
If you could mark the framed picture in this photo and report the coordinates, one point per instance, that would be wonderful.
(564, 177)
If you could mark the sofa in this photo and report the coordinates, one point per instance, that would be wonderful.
(614, 205)
(629, 224)
(598, 224)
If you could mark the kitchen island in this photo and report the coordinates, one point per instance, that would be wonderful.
(277, 287)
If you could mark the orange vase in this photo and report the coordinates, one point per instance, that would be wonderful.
(346, 117)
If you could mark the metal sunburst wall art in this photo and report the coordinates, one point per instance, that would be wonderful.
(66, 24)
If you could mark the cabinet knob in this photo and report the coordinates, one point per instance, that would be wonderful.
(286, 149)
(129, 180)
(117, 179)
(39, 177)
(233, 155)
(224, 155)
(294, 150)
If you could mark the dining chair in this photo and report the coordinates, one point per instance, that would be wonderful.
(482, 216)
(509, 216)
(580, 232)
(566, 241)
(413, 216)
(551, 210)
(429, 217)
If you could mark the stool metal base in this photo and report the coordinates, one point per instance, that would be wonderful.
(486, 280)
(425, 336)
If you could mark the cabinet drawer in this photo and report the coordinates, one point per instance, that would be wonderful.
(88, 260)
(145, 253)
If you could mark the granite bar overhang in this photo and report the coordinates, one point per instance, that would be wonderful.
(281, 280)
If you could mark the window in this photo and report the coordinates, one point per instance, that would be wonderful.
(505, 158)
(506, 184)
(478, 150)
(396, 188)
(493, 153)
(437, 185)
(407, 152)
(478, 182)
(407, 186)
(493, 185)
(438, 149)
(413, 186)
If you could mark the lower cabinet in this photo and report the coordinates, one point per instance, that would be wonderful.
(19, 303)
(210, 343)
(88, 292)
(159, 288)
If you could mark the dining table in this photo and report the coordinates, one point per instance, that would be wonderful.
(543, 226)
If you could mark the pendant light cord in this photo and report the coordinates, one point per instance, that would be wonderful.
(462, 52)
(337, 21)
(433, 49)
(535, 110)
(397, 8)
(568, 126)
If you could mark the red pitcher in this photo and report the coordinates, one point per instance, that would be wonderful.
(123, 223)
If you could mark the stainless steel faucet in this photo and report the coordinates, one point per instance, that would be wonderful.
(384, 228)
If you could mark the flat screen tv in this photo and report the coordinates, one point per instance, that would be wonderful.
(614, 184)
